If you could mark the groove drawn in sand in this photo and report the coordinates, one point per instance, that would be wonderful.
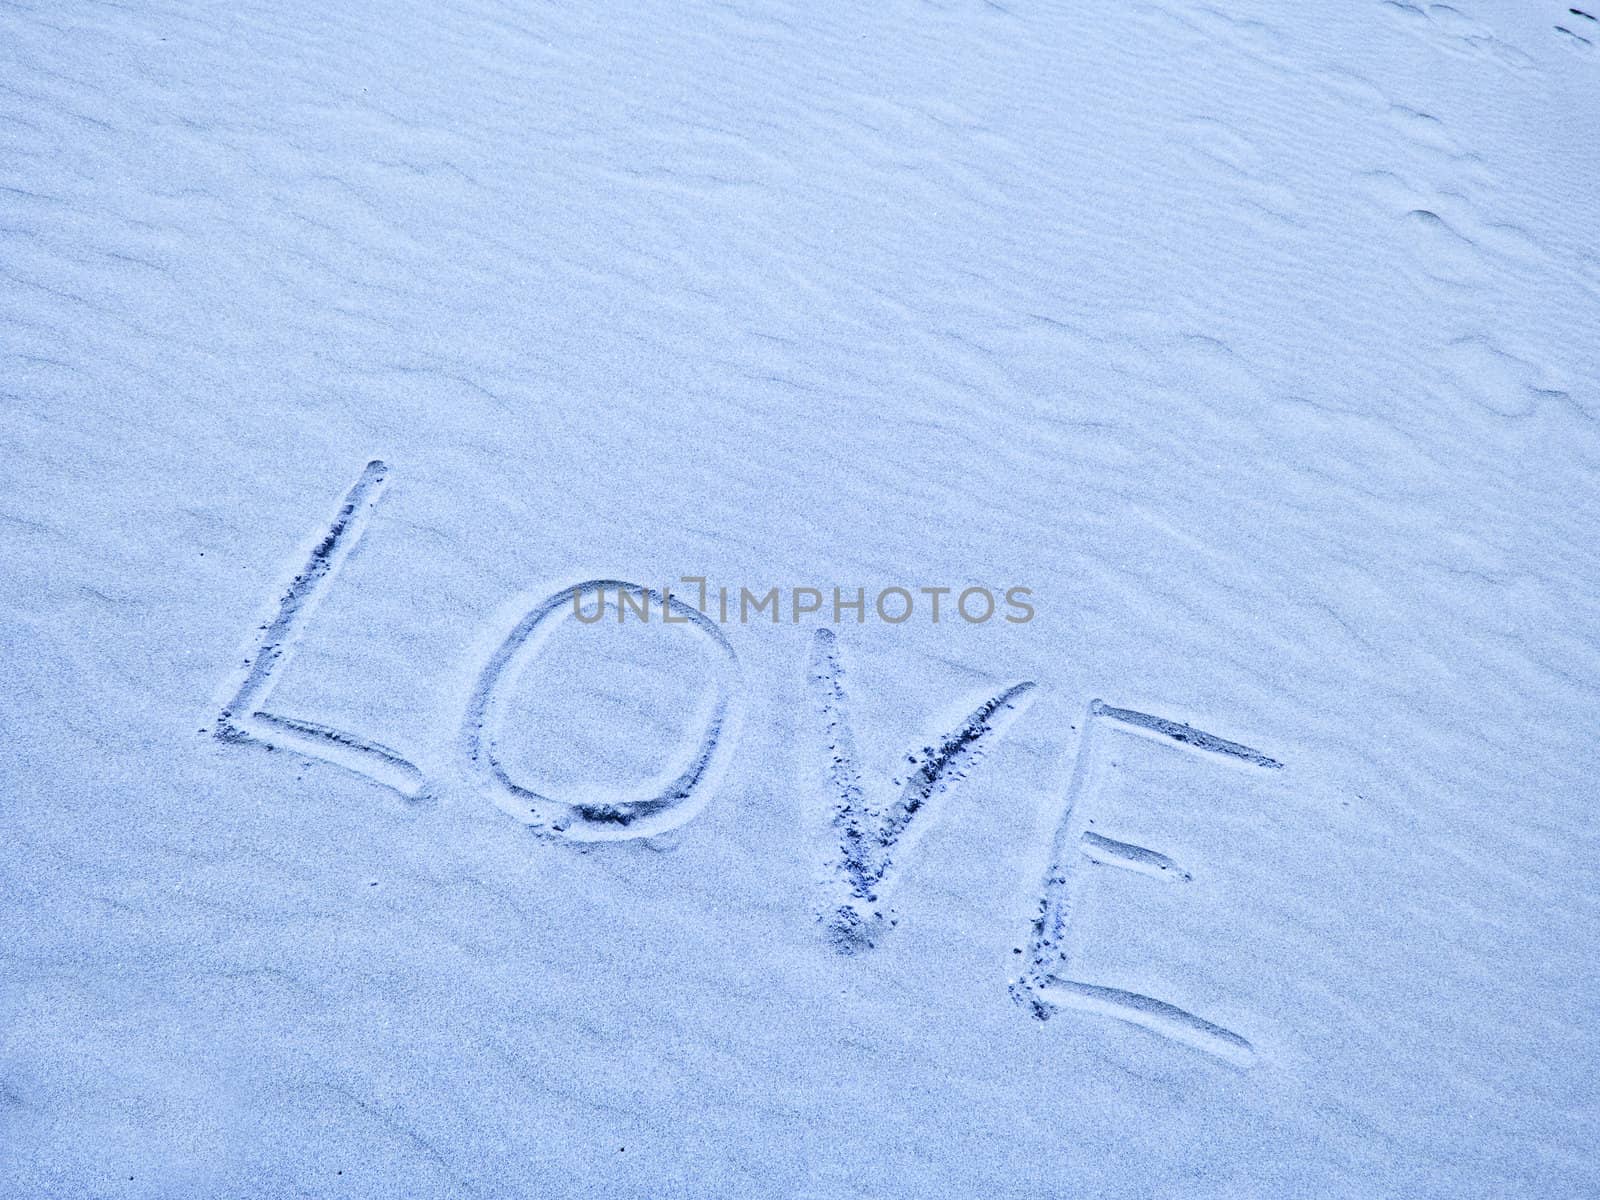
(597, 818)
(1577, 39)
(1149, 1013)
(1183, 734)
(244, 718)
(1112, 853)
(868, 831)
(1580, 29)
(1045, 987)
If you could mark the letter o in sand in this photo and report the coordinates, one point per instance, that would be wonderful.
(611, 820)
